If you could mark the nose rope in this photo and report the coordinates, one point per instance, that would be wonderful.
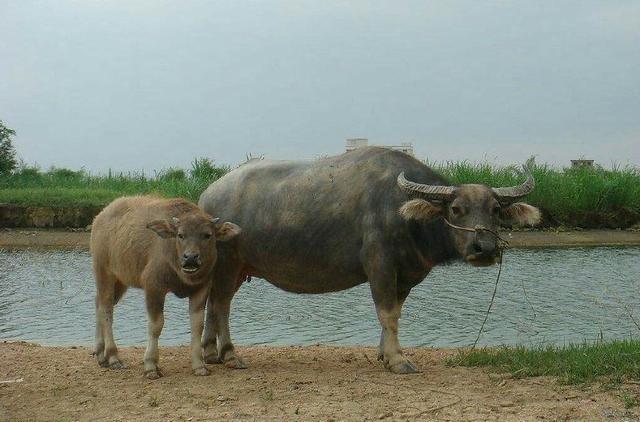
(502, 242)
(502, 245)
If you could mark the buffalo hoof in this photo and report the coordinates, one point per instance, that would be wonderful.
(212, 359)
(235, 363)
(117, 365)
(201, 372)
(406, 367)
(153, 374)
(103, 363)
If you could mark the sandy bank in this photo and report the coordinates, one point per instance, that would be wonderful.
(286, 383)
(25, 239)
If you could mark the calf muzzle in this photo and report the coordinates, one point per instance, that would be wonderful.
(191, 263)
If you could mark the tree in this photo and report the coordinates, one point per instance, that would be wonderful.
(8, 160)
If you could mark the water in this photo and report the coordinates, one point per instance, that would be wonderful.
(571, 295)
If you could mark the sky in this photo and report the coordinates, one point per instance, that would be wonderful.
(147, 85)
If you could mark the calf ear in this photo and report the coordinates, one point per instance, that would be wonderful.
(419, 209)
(163, 228)
(227, 231)
(521, 214)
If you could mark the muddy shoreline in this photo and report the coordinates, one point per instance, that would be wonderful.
(284, 383)
(16, 239)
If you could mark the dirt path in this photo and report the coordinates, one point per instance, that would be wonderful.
(288, 383)
(25, 238)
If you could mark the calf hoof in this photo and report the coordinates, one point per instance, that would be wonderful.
(405, 367)
(153, 374)
(201, 372)
(117, 365)
(235, 362)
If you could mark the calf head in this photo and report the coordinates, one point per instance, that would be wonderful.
(195, 237)
(474, 207)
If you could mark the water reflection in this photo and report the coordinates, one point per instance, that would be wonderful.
(557, 296)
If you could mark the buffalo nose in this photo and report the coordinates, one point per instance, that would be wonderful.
(484, 248)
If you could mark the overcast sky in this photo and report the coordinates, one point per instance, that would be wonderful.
(148, 84)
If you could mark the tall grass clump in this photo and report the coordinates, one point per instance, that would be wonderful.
(564, 193)
(572, 364)
(64, 187)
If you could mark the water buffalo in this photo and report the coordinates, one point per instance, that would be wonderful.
(372, 214)
(177, 258)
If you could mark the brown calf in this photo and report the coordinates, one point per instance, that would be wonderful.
(161, 246)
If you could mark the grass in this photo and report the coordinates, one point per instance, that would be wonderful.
(573, 364)
(564, 193)
(629, 400)
(64, 187)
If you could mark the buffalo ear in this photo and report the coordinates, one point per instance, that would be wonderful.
(227, 231)
(521, 214)
(163, 228)
(419, 209)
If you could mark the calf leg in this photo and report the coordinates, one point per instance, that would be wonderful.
(155, 314)
(106, 349)
(196, 315)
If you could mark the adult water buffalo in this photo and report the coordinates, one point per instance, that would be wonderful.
(372, 214)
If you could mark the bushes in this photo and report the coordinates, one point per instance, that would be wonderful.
(583, 197)
(564, 193)
(64, 187)
(8, 160)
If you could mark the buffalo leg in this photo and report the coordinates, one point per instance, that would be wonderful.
(226, 351)
(155, 314)
(196, 315)
(210, 338)
(384, 289)
(218, 347)
(402, 296)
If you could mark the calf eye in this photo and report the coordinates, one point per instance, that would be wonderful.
(207, 236)
(180, 236)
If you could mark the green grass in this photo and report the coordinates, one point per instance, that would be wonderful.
(629, 400)
(63, 187)
(574, 364)
(564, 193)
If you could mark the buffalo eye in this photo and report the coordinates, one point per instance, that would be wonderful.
(456, 210)
(207, 236)
(495, 210)
(180, 236)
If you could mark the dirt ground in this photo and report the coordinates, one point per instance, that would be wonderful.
(59, 239)
(287, 383)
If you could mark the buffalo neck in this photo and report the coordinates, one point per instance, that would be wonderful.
(434, 241)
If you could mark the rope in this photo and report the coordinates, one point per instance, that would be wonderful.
(502, 244)
(493, 296)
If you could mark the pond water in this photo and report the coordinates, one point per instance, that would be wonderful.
(545, 296)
